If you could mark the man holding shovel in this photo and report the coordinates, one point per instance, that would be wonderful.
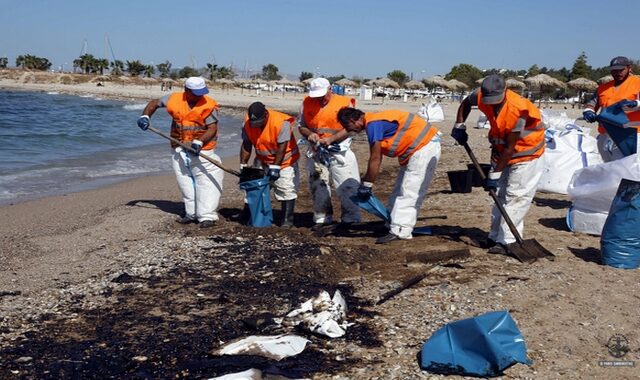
(271, 134)
(415, 143)
(195, 123)
(517, 141)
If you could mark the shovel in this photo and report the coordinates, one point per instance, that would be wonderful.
(526, 251)
(189, 149)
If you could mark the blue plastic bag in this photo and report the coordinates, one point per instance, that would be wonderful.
(614, 120)
(259, 200)
(372, 205)
(620, 239)
(481, 346)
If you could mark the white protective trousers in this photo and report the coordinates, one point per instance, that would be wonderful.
(200, 183)
(516, 187)
(286, 187)
(344, 175)
(411, 189)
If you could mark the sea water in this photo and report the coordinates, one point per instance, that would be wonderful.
(54, 143)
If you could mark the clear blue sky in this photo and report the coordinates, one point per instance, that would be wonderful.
(367, 38)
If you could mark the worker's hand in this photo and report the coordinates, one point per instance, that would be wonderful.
(144, 122)
(242, 166)
(273, 172)
(365, 190)
(459, 133)
(196, 145)
(491, 182)
(313, 138)
(589, 116)
(628, 104)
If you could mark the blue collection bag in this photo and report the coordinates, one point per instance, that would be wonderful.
(620, 240)
(259, 200)
(614, 120)
(374, 206)
(481, 346)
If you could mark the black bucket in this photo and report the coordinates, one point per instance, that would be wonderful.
(477, 181)
(460, 181)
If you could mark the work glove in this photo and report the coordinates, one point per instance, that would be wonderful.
(627, 104)
(459, 133)
(589, 116)
(365, 191)
(491, 182)
(144, 122)
(273, 172)
(196, 145)
(333, 148)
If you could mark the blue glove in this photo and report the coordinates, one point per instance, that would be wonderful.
(196, 145)
(365, 190)
(459, 133)
(589, 116)
(627, 104)
(143, 122)
(491, 182)
(333, 148)
(273, 172)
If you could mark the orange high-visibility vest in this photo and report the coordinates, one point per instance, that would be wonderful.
(189, 123)
(324, 120)
(265, 140)
(609, 94)
(531, 143)
(412, 134)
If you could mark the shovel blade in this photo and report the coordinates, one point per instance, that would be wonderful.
(529, 251)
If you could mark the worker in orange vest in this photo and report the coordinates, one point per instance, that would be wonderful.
(195, 123)
(517, 142)
(271, 134)
(623, 90)
(416, 144)
(329, 158)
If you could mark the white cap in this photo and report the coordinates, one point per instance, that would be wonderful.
(197, 86)
(318, 87)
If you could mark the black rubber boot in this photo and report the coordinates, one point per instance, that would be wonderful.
(245, 215)
(287, 213)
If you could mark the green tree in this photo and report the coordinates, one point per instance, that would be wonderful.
(4, 61)
(32, 62)
(135, 68)
(101, 65)
(465, 73)
(580, 67)
(305, 75)
(533, 71)
(117, 67)
(164, 69)
(398, 76)
(226, 72)
(149, 70)
(270, 72)
(187, 72)
(335, 78)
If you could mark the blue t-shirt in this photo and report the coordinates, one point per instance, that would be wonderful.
(380, 129)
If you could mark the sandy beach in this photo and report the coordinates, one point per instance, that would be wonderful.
(94, 281)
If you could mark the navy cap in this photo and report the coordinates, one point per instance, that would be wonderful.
(492, 89)
(257, 113)
(619, 63)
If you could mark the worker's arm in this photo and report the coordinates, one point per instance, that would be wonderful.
(305, 131)
(375, 159)
(151, 107)
(463, 110)
(335, 138)
(282, 147)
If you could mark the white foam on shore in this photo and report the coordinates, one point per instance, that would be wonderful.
(53, 93)
(134, 107)
(87, 96)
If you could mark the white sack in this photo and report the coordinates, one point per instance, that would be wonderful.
(482, 122)
(556, 120)
(274, 347)
(432, 112)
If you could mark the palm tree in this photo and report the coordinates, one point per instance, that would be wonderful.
(117, 67)
(135, 68)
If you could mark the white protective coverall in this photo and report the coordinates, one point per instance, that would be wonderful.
(516, 187)
(200, 183)
(411, 188)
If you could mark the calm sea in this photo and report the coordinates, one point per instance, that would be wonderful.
(54, 143)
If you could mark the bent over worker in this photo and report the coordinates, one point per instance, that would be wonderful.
(331, 158)
(195, 123)
(415, 143)
(624, 90)
(517, 142)
(271, 134)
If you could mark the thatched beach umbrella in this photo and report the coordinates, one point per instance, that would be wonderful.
(582, 84)
(436, 81)
(456, 85)
(544, 81)
(605, 79)
(414, 85)
(346, 83)
(385, 82)
(514, 84)
(307, 81)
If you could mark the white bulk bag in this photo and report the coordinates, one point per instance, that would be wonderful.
(432, 112)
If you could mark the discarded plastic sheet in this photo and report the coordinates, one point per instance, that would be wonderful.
(620, 243)
(322, 315)
(372, 205)
(273, 347)
(425, 230)
(481, 346)
(614, 120)
(250, 374)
